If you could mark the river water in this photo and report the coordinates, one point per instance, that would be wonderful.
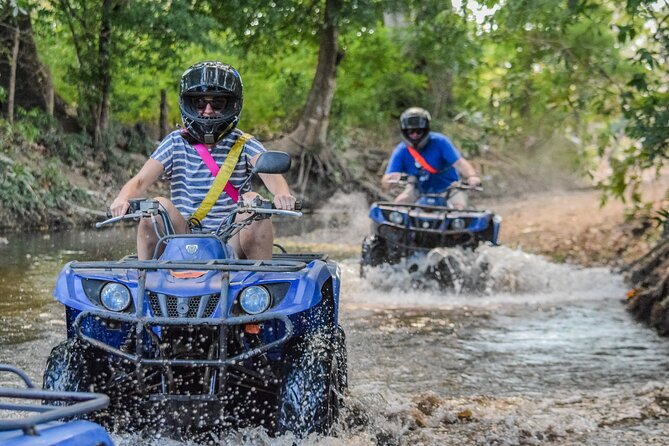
(543, 354)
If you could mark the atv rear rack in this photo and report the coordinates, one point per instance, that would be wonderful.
(84, 402)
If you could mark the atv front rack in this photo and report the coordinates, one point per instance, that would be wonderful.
(424, 239)
(414, 237)
(84, 402)
(195, 265)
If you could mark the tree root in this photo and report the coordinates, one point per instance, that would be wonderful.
(318, 175)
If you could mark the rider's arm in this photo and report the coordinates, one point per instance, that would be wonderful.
(467, 171)
(278, 186)
(136, 186)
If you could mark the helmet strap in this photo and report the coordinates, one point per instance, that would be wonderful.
(209, 138)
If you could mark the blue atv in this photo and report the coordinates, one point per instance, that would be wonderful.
(197, 340)
(408, 232)
(28, 422)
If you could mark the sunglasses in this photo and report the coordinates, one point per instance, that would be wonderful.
(217, 104)
(415, 132)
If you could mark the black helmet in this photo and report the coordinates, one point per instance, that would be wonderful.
(223, 83)
(415, 118)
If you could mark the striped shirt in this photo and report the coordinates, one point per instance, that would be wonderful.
(191, 179)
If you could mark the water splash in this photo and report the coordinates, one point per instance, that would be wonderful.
(489, 275)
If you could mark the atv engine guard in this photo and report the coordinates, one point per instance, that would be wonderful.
(144, 323)
(167, 365)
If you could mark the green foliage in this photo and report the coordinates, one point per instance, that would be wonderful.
(275, 90)
(375, 83)
(547, 71)
(32, 196)
(34, 185)
(111, 39)
(645, 101)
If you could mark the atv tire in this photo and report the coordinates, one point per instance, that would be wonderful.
(312, 389)
(73, 367)
(374, 252)
(66, 369)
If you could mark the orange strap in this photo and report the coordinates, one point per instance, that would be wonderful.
(421, 160)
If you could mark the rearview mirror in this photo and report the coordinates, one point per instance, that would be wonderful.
(273, 162)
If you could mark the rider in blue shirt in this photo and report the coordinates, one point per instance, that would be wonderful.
(428, 156)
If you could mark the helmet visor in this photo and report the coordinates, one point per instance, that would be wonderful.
(415, 122)
(415, 134)
(207, 105)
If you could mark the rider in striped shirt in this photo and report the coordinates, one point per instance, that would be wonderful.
(210, 100)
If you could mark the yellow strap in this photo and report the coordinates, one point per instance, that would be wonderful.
(221, 180)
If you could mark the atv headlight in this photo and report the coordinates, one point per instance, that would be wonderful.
(115, 297)
(396, 217)
(255, 299)
(458, 223)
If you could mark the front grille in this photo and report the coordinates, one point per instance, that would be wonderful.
(415, 238)
(425, 223)
(172, 306)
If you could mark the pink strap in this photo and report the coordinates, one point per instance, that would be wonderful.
(213, 168)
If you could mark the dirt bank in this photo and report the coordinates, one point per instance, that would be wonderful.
(572, 226)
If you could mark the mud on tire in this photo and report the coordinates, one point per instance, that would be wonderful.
(311, 393)
(374, 251)
(74, 367)
(66, 369)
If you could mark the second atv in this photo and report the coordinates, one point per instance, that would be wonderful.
(409, 232)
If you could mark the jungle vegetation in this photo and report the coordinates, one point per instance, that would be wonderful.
(559, 85)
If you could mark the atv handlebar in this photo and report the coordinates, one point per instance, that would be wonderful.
(405, 180)
(258, 209)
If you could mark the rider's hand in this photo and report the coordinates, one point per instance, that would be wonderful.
(284, 201)
(390, 179)
(474, 181)
(119, 207)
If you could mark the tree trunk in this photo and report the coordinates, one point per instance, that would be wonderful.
(104, 66)
(32, 90)
(311, 131)
(50, 95)
(12, 76)
(163, 114)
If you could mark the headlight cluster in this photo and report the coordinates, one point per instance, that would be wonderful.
(458, 223)
(396, 217)
(255, 299)
(115, 296)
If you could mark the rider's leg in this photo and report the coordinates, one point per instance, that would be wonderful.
(146, 233)
(254, 241)
(459, 199)
(409, 195)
